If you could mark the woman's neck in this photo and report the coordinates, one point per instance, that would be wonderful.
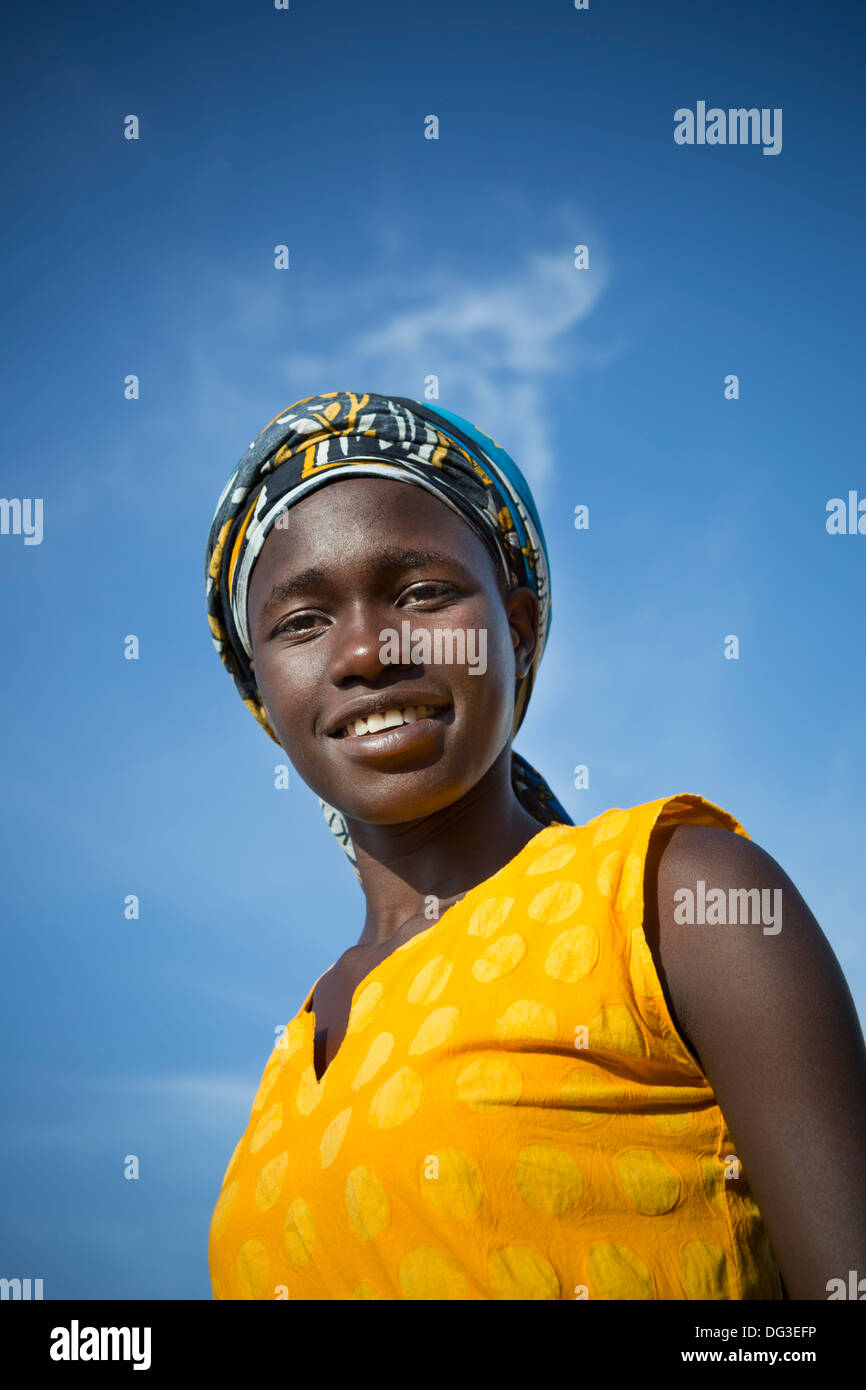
(418, 869)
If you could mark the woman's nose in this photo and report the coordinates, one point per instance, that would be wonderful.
(360, 644)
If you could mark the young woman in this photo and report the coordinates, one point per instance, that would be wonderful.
(609, 1061)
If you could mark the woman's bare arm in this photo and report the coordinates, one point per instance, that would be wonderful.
(767, 1012)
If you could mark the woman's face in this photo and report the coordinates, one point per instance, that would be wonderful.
(357, 557)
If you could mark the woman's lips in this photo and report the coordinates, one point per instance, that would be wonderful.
(400, 738)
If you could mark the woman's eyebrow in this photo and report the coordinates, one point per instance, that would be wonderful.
(391, 557)
(290, 588)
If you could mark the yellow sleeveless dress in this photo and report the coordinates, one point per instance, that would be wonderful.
(511, 1115)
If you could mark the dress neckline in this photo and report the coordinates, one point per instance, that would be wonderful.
(309, 1012)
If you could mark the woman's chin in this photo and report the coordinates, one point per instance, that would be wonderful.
(402, 801)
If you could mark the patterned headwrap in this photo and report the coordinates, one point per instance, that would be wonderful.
(342, 434)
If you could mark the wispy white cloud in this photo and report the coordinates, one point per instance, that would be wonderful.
(499, 342)
(492, 344)
(525, 317)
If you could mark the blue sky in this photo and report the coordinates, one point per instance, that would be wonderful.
(407, 257)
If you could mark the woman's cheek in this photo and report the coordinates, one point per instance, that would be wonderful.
(489, 690)
(288, 705)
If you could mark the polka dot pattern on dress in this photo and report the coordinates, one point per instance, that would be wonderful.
(511, 1114)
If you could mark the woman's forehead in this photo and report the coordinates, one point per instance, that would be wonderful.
(357, 537)
(367, 515)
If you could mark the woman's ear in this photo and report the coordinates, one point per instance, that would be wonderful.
(523, 614)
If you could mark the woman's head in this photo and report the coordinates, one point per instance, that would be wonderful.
(322, 538)
(328, 600)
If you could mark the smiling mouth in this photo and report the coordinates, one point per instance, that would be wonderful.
(389, 719)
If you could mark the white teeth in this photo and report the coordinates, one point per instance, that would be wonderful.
(390, 719)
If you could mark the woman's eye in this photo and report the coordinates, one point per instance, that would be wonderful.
(292, 625)
(434, 589)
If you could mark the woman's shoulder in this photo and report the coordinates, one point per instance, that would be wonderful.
(613, 856)
(637, 823)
